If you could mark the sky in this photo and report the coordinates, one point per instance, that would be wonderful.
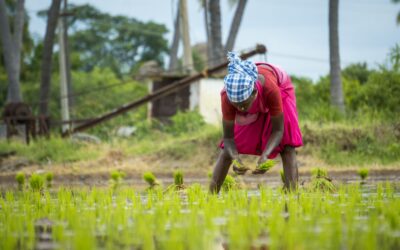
(295, 32)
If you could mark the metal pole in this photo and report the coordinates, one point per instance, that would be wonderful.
(260, 49)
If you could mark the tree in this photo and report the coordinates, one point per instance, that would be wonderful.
(47, 56)
(237, 19)
(173, 54)
(117, 42)
(216, 34)
(398, 14)
(11, 44)
(212, 19)
(337, 99)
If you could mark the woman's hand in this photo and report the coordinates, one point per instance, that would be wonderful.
(230, 148)
(263, 159)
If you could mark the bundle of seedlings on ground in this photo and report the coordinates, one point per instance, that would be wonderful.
(178, 182)
(264, 167)
(150, 179)
(117, 178)
(20, 178)
(320, 181)
(49, 179)
(363, 173)
(36, 182)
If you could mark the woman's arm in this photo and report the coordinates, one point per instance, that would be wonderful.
(275, 138)
(229, 142)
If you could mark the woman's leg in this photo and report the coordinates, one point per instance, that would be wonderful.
(220, 171)
(290, 167)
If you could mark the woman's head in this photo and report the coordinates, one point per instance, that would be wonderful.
(240, 80)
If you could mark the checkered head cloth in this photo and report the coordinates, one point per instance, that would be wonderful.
(239, 82)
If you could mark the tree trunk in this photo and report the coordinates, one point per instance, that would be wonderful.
(71, 99)
(11, 49)
(173, 55)
(237, 19)
(207, 25)
(216, 34)
(336, 82)
(187, 49)
(52, 18)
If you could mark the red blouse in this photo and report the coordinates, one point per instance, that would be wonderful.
(271, 94)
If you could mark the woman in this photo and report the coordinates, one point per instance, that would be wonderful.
(259, 118)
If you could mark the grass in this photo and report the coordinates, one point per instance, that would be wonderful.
(350, 218)
(54, 150)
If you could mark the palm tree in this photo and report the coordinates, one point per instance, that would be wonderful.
(237, 19)
(336, 82)
(47, 56)
(173, 55)
(212, 18)
(216, 34)
(12, 44)
(398, 14)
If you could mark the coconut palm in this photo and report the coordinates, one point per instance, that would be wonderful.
(398, 14)
(47, 56)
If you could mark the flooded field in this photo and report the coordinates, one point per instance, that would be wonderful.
(354, 216)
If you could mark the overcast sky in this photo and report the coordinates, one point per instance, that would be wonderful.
(294, 31)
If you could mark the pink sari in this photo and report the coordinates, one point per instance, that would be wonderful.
(253, 128)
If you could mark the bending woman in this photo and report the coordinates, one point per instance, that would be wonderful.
(259, 118)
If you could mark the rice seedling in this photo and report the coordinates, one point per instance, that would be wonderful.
(238, 167)
(36, 182)
(266, 218)
(150, 179)
(49, 179)
(229, 183)
(320, 181)
(363, 173)
(264, 167)
(117, 178)
(20, 178)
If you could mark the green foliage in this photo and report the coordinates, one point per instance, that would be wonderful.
(115, 42)
(20, 178)
(319, 173)
(150, 179)
(55, 149)
(363, 173)
(320, 181)
(49, 179)
(368, 93)
(229, 183)
(117, 176)
(178, 178)
(184, 122)
(265, 166)
(36, 182)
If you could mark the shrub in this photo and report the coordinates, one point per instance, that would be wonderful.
(184, 122)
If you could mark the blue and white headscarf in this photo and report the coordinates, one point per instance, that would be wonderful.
(241, 77)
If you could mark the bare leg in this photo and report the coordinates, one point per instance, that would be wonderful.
(290, 168)
(220, 171)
